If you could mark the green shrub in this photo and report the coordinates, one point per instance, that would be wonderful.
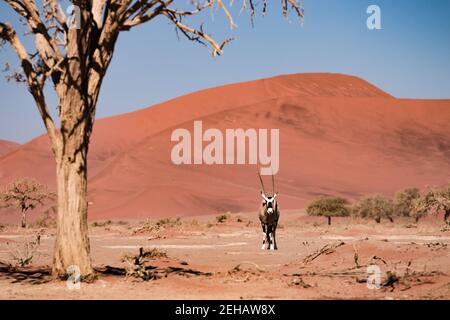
(328, 207)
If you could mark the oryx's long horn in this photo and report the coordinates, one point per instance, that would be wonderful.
(273, 184)
(262, 183)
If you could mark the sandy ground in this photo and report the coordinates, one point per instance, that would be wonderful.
(414, 260)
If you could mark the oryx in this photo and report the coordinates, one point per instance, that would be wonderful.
(269, 213)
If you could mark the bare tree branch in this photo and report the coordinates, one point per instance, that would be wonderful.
(8, 34)
(46, 46)
(54, 11)
(142, 11)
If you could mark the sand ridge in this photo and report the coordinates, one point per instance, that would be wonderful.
(338, 135)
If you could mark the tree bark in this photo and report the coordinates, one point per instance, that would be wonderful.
(72, 241)
(78, 93)
(23, 223)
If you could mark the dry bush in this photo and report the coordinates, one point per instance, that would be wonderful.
(23, 254)
(136, 264)
(101, 223)
(222, 218)
(157, 226)
(150, 253)
(403, 201)
(168, 222)
(108, 223)
(375, 207)
(433, 201)
(328, 207)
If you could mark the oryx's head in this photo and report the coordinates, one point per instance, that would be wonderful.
(269, 201)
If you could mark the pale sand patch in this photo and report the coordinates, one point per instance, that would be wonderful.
(389, 237)
(180, 246)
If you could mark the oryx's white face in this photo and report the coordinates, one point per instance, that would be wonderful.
(269, 202)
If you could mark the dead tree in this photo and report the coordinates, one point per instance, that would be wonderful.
(25, 195)
(73, 54)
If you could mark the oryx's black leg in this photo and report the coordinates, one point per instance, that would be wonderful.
(271, 237)
(268, 240)
(264, 227)
(275, 247)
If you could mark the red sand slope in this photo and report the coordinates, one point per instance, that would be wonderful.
(7, 147)
(338, 135)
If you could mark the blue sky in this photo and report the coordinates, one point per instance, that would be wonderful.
(408, 58)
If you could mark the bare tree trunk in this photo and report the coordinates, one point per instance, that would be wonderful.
(447, 216)
(329, 220)
(72, 242)
(23, 223)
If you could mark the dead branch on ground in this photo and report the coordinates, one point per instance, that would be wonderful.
(326, 249)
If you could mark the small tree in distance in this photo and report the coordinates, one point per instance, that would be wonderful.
(403, 201)
(376, 207)
(24, 194)
(328, 207)
(433, 201)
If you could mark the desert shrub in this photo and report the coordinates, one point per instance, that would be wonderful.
(155, 227)
(375, 207)
(23, 254)
(328, 207)
(151, 253)
(136, 264)
(168, 222)
(433, 201)
(403, 201)
(222, 218)
(101, 223)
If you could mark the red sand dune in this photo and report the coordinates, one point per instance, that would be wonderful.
(7, 147)
(338, 135)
